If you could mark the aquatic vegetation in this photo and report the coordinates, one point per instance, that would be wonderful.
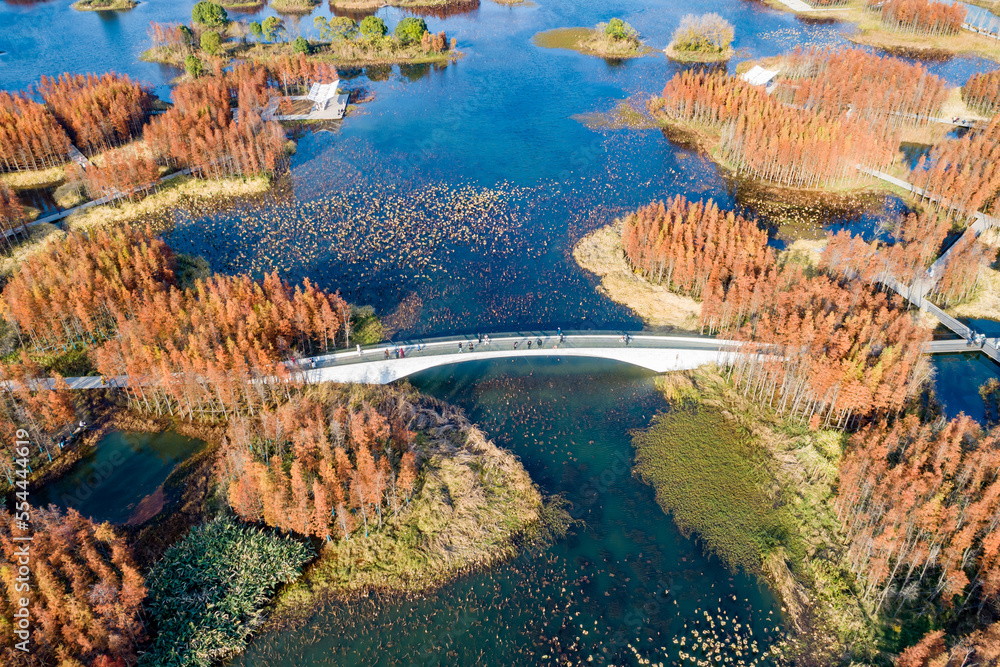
(204, 614)
(711, 476)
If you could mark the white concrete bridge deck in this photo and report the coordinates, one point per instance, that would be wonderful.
(658, 353)
(655, 352)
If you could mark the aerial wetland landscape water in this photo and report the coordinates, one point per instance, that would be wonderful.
(451, 203)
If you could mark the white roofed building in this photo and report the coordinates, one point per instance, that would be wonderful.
(322, 94)
(758, 76)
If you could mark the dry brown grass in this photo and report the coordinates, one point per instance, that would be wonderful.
(985, 302)
(29, 180)
(601, 253)
(178, 192)
(39, 236)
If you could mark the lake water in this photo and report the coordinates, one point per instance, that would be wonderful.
(451, 203)
(110, 482)
(624, 579)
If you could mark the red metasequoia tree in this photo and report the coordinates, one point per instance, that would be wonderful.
(30, 136)
(697, 250)
(982, 92)
(322, 467)
(883, 89)
(768, 140)
(827, 351)
(46, 411)
(169, 35)
(962, 174)
(86, 593)
(78, 288)
(913, 246)
(979, 648)
(219, 346)
(920, 16)
(125, 171)
(919, 504)
(12, 216)
(214, 347)
(100, 112)
(203, 132)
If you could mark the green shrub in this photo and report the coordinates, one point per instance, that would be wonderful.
(210, 14)
(211, 42)
(619, 30)
(193, 66)
(337, 29)
(342, 28)
(256, 30)
(300, 45)
(271, 27)
(410, 30)
(208, 591)
(372, 27)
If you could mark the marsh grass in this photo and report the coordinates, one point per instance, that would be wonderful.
(183, 190)
(711, 475)
(40, 178)
(759, 493)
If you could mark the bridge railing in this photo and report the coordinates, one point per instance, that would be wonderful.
(506, 340)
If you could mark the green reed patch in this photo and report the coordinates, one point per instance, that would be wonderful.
(712, 476)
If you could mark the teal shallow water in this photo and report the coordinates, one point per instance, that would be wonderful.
(624, 579)
(123, 468)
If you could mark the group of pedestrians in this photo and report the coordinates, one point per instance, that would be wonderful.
(482, 340)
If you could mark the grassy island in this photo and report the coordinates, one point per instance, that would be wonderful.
(294, 6)
(707, 38)
(613, 40)
(779, 476)
(103, 5)
(342, 41)
(878, 27)
(367, 488)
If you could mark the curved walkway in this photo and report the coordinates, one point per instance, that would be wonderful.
(389, 362)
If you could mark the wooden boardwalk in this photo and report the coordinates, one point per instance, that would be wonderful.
(59, 215)
(916, 292)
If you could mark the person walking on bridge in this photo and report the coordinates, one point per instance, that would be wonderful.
(359, 350)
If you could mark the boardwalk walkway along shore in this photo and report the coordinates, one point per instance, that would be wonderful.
(916, 292)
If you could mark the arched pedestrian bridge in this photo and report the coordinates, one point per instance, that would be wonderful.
(392, 361)
(388, 362)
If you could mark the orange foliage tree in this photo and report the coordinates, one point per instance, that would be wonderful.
(920, 501)
(30, 136)
(100, 112)
(85, 595)
(320, 466)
